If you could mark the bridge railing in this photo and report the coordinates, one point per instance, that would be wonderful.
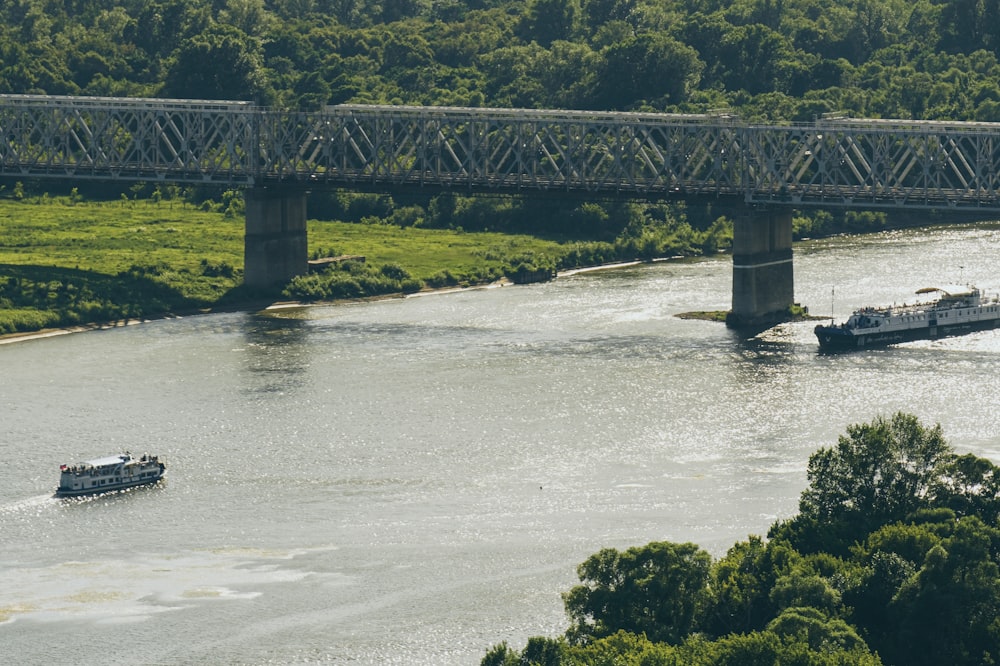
(845, 162)
(127, 139)
(503, 149)
(871, 163)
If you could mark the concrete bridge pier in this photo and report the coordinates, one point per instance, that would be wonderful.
(763, 284)
(275, 247)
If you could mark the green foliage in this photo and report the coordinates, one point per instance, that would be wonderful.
(647, 68)
(920, 586)
(547, 21)
(220, 269)
(501, 655)
(810, 625)
(878, 473)
(969, 486)
(530, 268)
(16, 320)
(766, 60)
(78, 263)
(788, 645)
(223, 62)
(948, 611)
(826, 223)
(32, 299)
(741, 586)
(658, 590)
(352, 279)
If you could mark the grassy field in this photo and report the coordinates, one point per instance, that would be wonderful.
(65, 262)
(425, 252)
(107, 238)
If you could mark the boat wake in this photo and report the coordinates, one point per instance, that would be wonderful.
(28, 504)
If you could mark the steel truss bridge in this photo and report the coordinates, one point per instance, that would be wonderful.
(843, 162)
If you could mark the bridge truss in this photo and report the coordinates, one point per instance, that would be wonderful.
(857, 163)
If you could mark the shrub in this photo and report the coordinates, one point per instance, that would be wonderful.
(220, 269)
(25, 319)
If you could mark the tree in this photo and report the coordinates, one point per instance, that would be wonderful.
(815, 628)
(876, 474)
(158, 27)
(649, 67)
(511, 78)
(501, 655)
(547, 21)
(399, 10)
(968, 25)
(220, 63)
(949, 612)
(874, 27)
(870, 596)
(741, 584)
(598, 12)
(311, 91)
(248, 16)
(970, 486)
(657, 590)
(542, 651)
(757, 59)
(921, 588)
(805, 589)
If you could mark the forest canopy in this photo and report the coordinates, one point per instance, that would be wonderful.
(893, 559)
(775, 60)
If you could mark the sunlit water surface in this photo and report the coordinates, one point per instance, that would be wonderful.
(412, 481)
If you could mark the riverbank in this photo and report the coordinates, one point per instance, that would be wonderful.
(796, 313)
(256, 306)
(65, 263)
(72, 262)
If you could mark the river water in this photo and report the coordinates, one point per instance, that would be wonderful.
(411, 481)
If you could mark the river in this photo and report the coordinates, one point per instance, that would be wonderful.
(412, 481)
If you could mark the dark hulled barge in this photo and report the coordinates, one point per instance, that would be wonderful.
(957, 311)
(107, 474)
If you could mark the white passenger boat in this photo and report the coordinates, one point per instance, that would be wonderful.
(110, 473)
(957, 311)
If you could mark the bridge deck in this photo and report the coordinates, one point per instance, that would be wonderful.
(835, 162)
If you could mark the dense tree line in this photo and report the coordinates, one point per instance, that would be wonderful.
(894, 559)
(766, 59)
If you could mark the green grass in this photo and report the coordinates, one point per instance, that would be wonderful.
(426, 252)
(108, 238)
(64, 263)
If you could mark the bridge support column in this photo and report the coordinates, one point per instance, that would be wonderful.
(275, 248)
(763, 285)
